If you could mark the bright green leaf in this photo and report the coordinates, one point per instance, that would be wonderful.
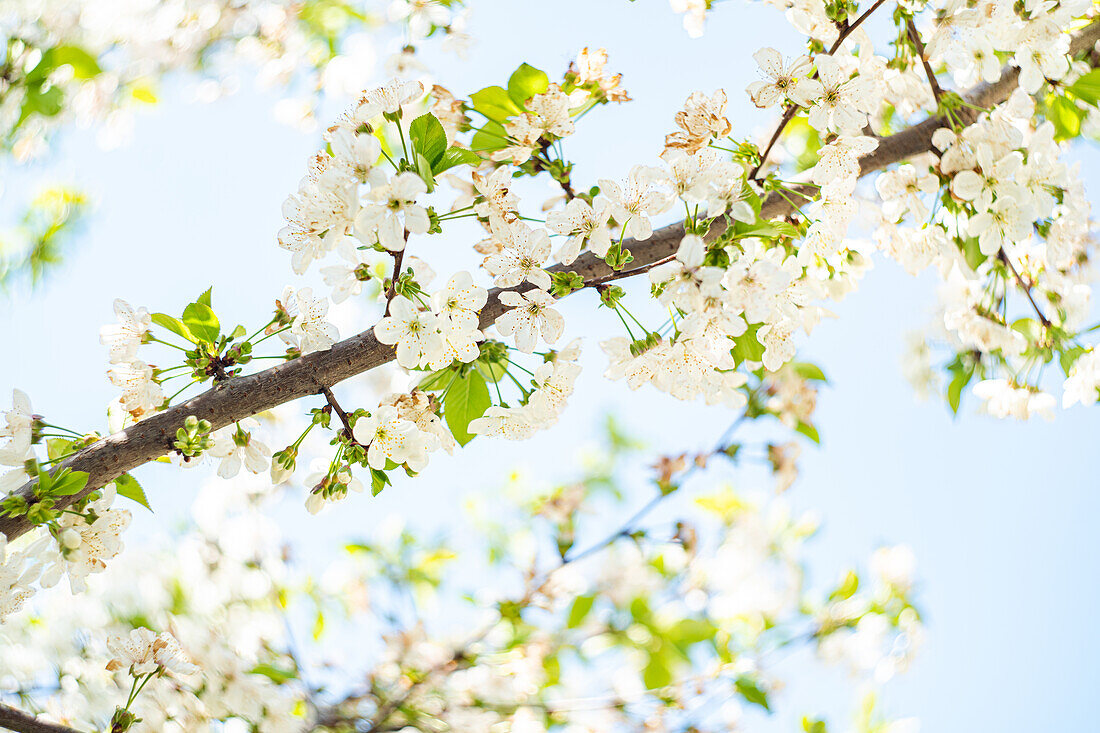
(495, 103)
(201, 322)
(809, 431)
(128, 486)
(467, 399)
(455, 156)
(579, 610)
(1087, 88)
(85, 66)
(67, 483)
(424, 170)
(750, 690)
(526, 82)
(174, 325)
(276, 675)
(429, 138)
(490, 137)
(809, 371)
(746, 346)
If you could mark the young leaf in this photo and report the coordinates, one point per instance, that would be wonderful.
(1087, 87)
(58, 447)
(467, 399)
(67, 483)
(174, 325)
(955, 388)
(491, 136)
(747, 347)
(495, 103)
(201, 322)
(455, 156)
(424, 169)
(809, 371)
(526, 82)
(579, 610)
(809, 431)
(126, 485)
(205, 297)
(429, 138)
(84, 64)
(749, 690)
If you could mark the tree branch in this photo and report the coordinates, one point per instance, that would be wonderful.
(244, 396)
(20, 722)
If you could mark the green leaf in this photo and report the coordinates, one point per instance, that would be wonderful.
(276, 675)
(174, 325)
(85, 66)
(378, 481)
(809, 371)
(495, 103)
(429, 138)
(128, 486)
(205, 297)
(67, 483)
(201, 322)
(526, 82)
(36, 101)
(58, 447)
(490, 137)
(750, 690)
(467, 400)
(746, 347)
(847, 588)
(455, 156)
(809, 431)
(688, 631)
(579, 610)
(1066, 117)
(956, 387)
(1069, 357)
(766, 229)
(656, 673)
(1087, 88)
(424, 170)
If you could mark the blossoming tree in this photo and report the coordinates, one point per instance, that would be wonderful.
(948, 135)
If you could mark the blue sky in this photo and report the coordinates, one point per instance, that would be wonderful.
(1000, 515)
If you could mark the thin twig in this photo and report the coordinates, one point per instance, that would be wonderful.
(331, 398)
(1026, 287)
(792, 109)
(914, 35)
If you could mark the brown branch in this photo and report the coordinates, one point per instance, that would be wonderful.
(20, 722)
(243, 396)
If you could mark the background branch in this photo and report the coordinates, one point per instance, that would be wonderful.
(20, 722)
(244, 396)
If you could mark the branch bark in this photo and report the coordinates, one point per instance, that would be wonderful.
(244, 396)
(20, 722)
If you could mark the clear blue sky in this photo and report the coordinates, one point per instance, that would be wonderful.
(1001, 515)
